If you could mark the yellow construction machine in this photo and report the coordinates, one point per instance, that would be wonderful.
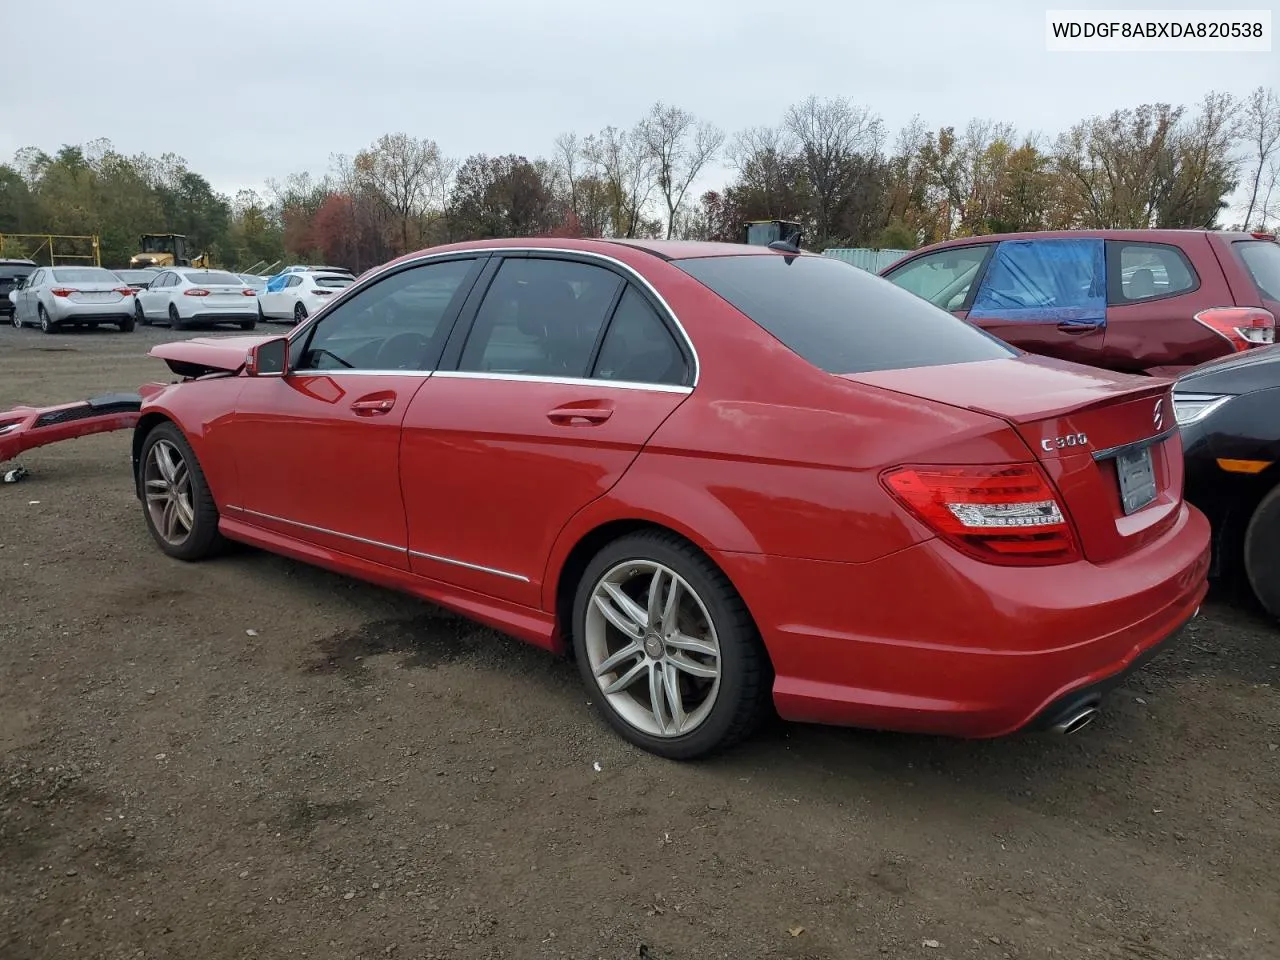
(166, 250)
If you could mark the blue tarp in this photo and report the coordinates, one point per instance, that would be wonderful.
(1050, 281)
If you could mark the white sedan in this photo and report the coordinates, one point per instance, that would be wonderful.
(298, 295)
(186, 296)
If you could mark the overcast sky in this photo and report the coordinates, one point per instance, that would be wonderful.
(247, 91)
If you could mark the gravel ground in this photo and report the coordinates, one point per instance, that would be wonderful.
(252, 758)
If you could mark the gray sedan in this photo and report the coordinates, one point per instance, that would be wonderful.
(56, 297)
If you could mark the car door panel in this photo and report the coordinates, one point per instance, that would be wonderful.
(496, 467)
(322, 452)
(1046, 296)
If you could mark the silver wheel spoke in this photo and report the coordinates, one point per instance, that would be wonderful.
(653, 615)
(680, 641)
(671, 608)
(168, 520)
(624, 613)
(657, 697)
(181, 478)
(185, 514)
(693, 668)
(161, 454)
(675, 701)
(629, 652)
(627, 679)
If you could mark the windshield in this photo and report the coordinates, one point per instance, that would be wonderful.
(1262, 259)
(211, 277)
(84, 275)
(841, 318)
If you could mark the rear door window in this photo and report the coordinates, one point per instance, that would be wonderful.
(1137, 272)
(943, 278)
(840, 318)
(638, 347)
(540, 317)
(1261, 258)
(1054, 281)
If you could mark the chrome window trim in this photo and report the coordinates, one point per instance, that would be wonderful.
(631, 272)
(598, 383)
(378, 543)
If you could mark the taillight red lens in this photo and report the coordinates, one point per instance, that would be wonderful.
(62, 291)
(195, 292)
(249, 292)
(124, 291)
(1007, 514)
(1242, 327)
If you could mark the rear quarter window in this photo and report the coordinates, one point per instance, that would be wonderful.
(840, 318)
(1261, 258)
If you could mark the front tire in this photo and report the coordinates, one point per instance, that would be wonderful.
(139, 316)
(16, 320)
(667, 648)
(176, 503)
(1262, 552)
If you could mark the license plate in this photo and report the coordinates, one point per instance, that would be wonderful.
(1137, 479)
(99, 295)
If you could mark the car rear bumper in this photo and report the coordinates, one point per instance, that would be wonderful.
(223, 316)
(65, 312)
(926, 640)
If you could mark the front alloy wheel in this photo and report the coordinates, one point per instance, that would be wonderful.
(668, 647)
(179, 509)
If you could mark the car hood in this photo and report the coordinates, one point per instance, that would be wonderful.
(204, 355)
(1256, 369)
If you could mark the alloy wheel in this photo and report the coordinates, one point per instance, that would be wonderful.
(653, 648)
(167, 485)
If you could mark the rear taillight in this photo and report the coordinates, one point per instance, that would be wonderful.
(124, 291)
(1006, 514)
(323, 293)
(62, 291)
(1242, 327)
(248, 293)
(195, 292)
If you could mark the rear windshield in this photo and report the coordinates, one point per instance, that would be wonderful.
(1262, 259)
(11, 271)
(135, 276)
(841, 318)
(84, 275)
(335, 282)
(213, 277)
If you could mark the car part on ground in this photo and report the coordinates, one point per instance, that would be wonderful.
(1227, 412)
(1141, 301)
(717, 472)
(25, 428)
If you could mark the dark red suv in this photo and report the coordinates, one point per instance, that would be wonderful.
(1141, 301)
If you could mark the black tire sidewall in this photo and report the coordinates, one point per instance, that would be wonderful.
(1262, 552)
(204, 537)
(47, 325)
(739, 645)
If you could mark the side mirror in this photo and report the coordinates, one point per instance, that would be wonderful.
(268, 359)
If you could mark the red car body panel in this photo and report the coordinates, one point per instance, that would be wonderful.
(1159, 336)
(473, 491)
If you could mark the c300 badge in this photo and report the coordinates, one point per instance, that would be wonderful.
(1062, 443)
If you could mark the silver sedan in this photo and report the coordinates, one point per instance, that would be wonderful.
(57, 297)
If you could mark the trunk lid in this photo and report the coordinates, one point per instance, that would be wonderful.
(1087, 428)
(96, 292)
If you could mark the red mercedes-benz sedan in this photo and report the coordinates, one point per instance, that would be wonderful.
(720, 475)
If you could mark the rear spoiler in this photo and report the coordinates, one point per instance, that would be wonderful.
(25, 428)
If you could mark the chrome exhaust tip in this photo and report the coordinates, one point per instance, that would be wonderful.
(1075, 722)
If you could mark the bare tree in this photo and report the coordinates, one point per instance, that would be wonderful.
(679, 147)
(830, 134)
(1260, 130)
(407, 175)
(621, 162)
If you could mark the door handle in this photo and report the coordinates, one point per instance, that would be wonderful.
(567, 414)
(1078, 328)
(373, 406)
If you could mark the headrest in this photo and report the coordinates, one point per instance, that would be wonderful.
(547, 308)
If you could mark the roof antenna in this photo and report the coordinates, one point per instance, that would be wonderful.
(791, 244)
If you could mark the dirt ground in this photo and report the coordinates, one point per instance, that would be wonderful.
(250, 758)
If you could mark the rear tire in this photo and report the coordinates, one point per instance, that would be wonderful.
(299, 313)
(1262, 552)
(248, 324)
(126, 326)
(175, 321)
(46, 325)
(176, 504)
(714, 661)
